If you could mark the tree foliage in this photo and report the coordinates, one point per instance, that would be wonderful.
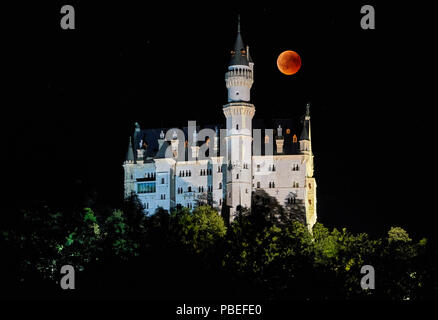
(264, 253)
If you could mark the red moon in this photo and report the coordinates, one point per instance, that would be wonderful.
(289, 62)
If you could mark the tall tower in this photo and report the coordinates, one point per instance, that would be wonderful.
(128, 167)
(239, 113)
(306, 150)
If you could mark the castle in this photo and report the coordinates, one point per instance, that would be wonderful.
(226, 167)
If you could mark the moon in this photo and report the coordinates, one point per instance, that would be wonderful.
(289, 62)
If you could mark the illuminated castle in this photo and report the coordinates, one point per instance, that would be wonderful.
(225, 167)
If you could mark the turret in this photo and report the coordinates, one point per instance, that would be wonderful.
(279, 140)
(239, 77)
(305, 138)
(239, 113)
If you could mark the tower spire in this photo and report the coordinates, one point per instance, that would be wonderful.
(305, 138)
(238, 54)
(130, 153)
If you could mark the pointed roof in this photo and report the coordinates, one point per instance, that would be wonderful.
(305, 134)
(130, 153)
(238, 54)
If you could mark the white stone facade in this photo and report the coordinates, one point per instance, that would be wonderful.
(231, 179)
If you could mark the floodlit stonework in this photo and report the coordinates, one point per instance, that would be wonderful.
(167, 167)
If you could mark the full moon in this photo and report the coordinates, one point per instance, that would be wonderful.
(289, 62)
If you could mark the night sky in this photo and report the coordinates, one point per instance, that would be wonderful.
(76, 94)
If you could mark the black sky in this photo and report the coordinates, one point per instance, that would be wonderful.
(75, 95)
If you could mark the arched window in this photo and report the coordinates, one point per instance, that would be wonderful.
(237, 176)
(237, 127)
(270, 184)
(310, 186)
(189, 189)
(220, 185)
(258, 184)
(183, 173)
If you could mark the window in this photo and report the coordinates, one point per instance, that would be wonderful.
(163, 197)
(220, 185)
(237, 176)
(310, 186)
(310, 201)
(237, 127)
(246, 191)
(220, 201)
(189, 189)
(258, 184)
(162, 180)
(258, 168)
(146, 187)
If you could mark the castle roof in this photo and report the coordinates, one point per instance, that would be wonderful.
(150, 138)
(238, 54)
(130, 152)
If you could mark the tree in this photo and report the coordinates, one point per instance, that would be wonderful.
(201, 229)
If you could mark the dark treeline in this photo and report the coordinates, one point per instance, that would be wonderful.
(264, 254)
